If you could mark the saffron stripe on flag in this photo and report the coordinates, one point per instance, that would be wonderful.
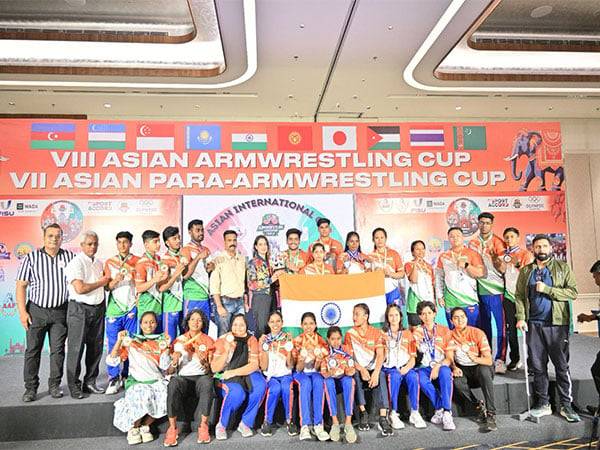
(341, 287)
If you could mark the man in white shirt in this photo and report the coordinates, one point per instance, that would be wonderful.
(85, 317)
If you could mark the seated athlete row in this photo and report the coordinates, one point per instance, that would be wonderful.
(239, 368)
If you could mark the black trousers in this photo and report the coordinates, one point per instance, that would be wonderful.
(549, 342)
(510, 320)
(183, 389)
(51, 322)
(596, 372)
(474, 377)
(86, 330)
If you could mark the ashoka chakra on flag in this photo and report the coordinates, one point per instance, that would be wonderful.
(331, 298)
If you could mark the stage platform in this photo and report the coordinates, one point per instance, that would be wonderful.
(66, 418)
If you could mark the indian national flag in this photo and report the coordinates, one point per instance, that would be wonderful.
(249, 141)
(331, 298)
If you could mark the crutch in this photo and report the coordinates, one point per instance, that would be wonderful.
(526, 415)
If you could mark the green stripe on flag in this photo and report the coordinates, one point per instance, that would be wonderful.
(295, 331)
(248, 145)
(386, 146)
(53, 145)
(106, 145)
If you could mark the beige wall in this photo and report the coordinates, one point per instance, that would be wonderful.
(581, 143)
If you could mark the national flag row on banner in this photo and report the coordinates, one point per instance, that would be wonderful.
(158, 136)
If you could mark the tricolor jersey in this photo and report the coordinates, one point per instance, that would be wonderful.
(312, 269)
(196, 286)
(151, 299)
(423, 290)
(455, 285)
(391, 259)
(364, 347)
(399, 349)
(173, 297)
(338, 362)
(470, 340)
(295, 261)
(432, 345)
(193, 350)
(519, 259)
(492, 283)
(122, 298)
(310, 344)
(277, 349)
(148, 358)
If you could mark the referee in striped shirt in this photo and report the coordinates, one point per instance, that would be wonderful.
(43, 310)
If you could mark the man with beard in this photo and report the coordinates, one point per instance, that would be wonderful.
(195, 279)
(544, 289)
(583, 317)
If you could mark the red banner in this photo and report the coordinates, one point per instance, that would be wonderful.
(53, 157)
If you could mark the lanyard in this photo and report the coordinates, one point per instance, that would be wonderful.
(384, 256)
(172, 253)
(295, 260)
(153, 258)
(355, 255)
(394, 341)
(271, 338)
(430, 341)
(339, 351)
(124, 260)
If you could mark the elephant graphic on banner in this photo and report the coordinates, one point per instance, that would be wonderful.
(527, 144)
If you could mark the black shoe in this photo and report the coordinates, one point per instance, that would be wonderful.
(385, 427)
(292, 429)
(481, 413)
(363, 421)
(55, 392)
(514, 366)
(29, 395)
(91, 388)
(592, 409)
(266, 429)
(490, 422)
(77, 394)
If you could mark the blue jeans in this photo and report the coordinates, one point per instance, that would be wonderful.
(233, 306)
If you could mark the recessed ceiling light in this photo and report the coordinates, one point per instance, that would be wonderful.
(11, 103)
(541, 11)
(390, 27)
(290, 96)
(355, 96)
(368, 107)
(301, 25)
(598, 108)
(506, 108)
(550, 108)
(197, 106)
(107, 105)
(458, 108)
(337, 105)
(296, 57)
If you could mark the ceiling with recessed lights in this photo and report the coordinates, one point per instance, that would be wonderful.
(347, 60)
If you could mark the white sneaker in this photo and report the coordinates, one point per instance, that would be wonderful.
(334, 432)
(134, 437)
(244, 430)
(305, 433)
(395, 421)
(437, 417)
(113, 386)
(500, 366)
(220, 432)
(349, 434)
(416, 419)
(448, 422)
(147, 436)
(322, 435)
(541, 411)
